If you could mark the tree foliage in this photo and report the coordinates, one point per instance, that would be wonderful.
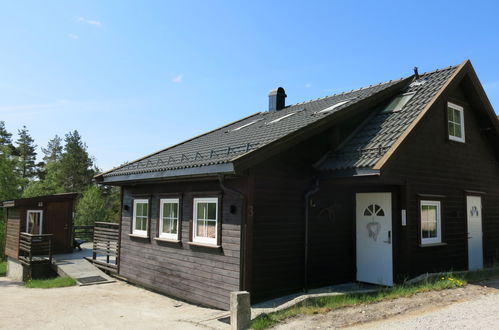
(76, 167)
(53, 151)
(94, 205)
(26, 152)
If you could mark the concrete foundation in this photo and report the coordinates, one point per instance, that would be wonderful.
(15, 269)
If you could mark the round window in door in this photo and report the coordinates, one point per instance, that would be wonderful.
(373, 227)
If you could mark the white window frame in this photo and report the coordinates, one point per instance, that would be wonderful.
(134, 218)
(41, 221)
(459, 108)
(204, 240)
(161, 203)
(431, 240)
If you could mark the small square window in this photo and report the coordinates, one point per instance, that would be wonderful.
(205, 226)
(431, 228)
(169, 218)
(455, 122)
(140, 217)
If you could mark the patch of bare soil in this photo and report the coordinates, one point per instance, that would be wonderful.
(360, 314)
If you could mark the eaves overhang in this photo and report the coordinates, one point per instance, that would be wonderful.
(226, 168)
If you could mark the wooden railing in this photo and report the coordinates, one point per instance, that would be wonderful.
(35, 248)
(106, 245)
(84, 233)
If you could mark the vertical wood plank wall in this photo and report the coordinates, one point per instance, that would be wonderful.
(12, 233)
(197, 274)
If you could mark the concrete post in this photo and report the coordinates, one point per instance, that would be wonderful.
(240, 310)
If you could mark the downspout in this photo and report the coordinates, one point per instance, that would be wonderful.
(242, 246)
(308, 194)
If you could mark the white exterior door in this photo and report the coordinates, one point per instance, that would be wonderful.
(374, 238)
(475, 248)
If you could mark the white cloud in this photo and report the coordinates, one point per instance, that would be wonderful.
(88, 21)
(177, 79)
(308, 85)
(73, 36)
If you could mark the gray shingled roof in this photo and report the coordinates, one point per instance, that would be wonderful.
(232, 141)
(371, 141)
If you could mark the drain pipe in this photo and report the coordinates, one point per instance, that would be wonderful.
(242, 271)
(308, 194)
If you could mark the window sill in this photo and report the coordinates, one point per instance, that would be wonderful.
(205, 245)
(432, 244)
(167, 240)
(138, 236)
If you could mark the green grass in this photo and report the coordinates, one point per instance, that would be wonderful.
(325, 304)
(56, 282)
(3, 268)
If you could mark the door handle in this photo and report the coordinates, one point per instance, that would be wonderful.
(389, 241)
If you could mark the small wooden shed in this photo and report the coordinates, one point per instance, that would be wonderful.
(51, 214)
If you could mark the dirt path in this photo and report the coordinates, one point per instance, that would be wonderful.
(105, 306)
(407, 313)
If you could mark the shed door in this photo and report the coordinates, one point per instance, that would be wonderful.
(475, 248)
(374, 238)
(58, 221)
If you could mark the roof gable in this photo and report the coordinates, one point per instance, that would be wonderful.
(370, 147)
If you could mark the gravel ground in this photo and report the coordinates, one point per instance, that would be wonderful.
(480, 313)
(104, 306)
(470, 307)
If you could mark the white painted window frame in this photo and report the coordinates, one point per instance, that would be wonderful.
(41, 220)
(204, 240)
(459, 108)
(162, 202)
(134, 218)
(431, 240)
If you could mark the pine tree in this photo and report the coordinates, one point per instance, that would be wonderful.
(25, 150)
(76, 167)
(5, 137)
(53, 151)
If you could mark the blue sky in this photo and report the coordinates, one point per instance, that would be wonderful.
(135, 77)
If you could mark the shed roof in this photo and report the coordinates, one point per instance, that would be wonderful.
(32, 200)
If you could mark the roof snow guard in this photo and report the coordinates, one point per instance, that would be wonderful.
(372, 140)
(232, 147)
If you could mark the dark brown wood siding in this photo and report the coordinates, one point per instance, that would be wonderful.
(277, 217)
(430, 164)
(278, 231)
(197, 274)
(12, 233)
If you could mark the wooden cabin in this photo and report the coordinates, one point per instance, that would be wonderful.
(42, 225)
(372, 185)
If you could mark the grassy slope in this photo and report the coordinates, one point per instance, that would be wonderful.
(326, 304)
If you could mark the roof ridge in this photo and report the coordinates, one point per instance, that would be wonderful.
(348, 92)
(175, 145)
(439, 70)
(371, 86)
